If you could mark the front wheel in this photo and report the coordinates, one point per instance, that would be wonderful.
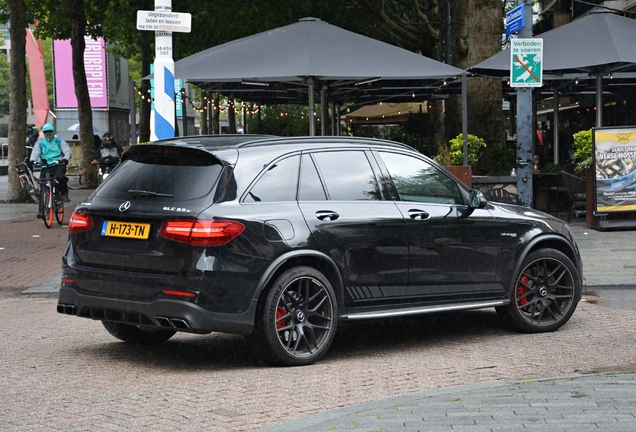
(47, 205)
(297, 319)
(545, 293)
(59, 212)
(137, 335)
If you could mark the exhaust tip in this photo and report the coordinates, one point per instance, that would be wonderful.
(66, 309)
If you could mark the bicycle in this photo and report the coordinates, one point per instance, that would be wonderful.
(28, 181)
(74, 171)
(51, 200)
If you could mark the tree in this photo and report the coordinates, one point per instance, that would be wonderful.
(17, 122)
(75, 19)
(5, 87)
(485, 117)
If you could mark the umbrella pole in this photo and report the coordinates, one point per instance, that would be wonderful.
(464, 117)
(312, 126)
(555, 126)
(599, 100)
(323, 110)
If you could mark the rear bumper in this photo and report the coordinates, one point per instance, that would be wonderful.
(161, 313)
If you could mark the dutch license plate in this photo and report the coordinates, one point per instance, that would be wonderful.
(126, 229)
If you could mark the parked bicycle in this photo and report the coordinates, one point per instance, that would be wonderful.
(28, 181)
(51, 199)
(74, 171)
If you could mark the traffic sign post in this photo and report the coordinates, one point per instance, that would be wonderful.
(526, 62)
(514, 20)
(525, 123)
(163, 22)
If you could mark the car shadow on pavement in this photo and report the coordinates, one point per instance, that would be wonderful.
(217, 351)
(361, 338)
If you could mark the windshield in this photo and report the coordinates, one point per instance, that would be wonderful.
(133, 180)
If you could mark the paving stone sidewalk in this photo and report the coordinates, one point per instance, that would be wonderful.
(579, 403)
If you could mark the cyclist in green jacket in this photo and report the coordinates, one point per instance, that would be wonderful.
(53, 153)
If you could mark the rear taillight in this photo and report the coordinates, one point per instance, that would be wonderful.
(79, 223)
(201, 232)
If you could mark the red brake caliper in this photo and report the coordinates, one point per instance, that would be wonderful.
(522, 290)
(280, 312)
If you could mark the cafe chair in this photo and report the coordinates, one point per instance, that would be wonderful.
(576, 191)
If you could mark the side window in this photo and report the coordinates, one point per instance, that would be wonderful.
(310, 188)
(347, 175)
(417, 180)
(278, 183)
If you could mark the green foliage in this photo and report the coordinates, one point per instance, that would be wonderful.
(453, 154)
(282, 120)
(502, 159)
(5, 88)
(582, 144)
(551, 168)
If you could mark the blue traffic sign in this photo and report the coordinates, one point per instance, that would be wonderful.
(514, 20)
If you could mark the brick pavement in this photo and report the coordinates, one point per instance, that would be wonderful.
(66, 373)
(31, 253)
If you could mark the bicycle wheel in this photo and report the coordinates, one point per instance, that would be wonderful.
(59, 210)
(47, 205)
(34, 194)
(74, 171)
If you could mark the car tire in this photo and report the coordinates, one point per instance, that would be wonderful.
(297, 319)
(544, 294)
(136, 335)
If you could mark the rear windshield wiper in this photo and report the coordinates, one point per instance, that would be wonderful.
(148, 193)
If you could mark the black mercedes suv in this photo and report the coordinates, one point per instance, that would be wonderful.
(280, 239)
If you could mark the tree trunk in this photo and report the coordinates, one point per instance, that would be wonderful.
(485, 117)
(18, 104)
(459, 51)
(145, 39)
(85, 113)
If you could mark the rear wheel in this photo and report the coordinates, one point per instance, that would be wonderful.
(545, 294)
(137, 335)
(47, 205)
(34, 193)
(297, 320)
(59, 212)
(35, 197)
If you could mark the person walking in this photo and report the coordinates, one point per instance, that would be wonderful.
(53, 154)
(541, 145)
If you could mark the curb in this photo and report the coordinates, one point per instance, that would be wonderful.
(48, 288)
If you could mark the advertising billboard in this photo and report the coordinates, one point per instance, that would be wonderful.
(615, 169)
(96, 73)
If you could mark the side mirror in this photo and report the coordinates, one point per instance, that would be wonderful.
(477, 199)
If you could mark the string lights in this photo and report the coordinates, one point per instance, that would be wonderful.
(201, 106)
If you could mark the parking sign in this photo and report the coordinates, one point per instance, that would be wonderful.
(526, 62)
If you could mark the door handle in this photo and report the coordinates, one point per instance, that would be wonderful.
(327, 214)
(418, 214)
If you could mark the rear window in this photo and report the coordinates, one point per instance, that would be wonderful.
(166, 175)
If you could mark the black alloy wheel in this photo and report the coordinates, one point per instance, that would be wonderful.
(546, 292)
(298, 320)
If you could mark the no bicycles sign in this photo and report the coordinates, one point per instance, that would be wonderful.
(526, 63)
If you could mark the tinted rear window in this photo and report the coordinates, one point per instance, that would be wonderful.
(178, 176)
